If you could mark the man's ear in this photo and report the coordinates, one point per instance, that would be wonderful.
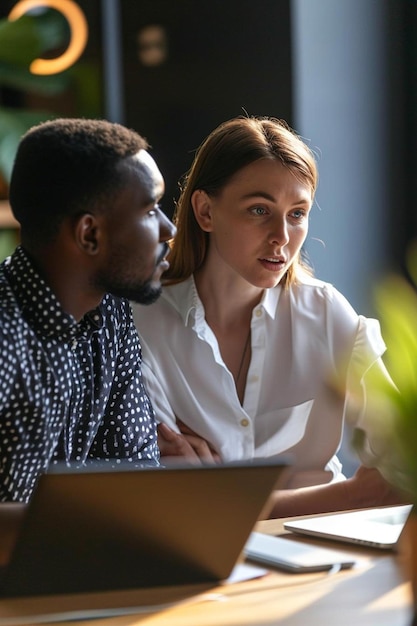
(87, 233)
(201, 204)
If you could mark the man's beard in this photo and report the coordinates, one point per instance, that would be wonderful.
(141, 293)
(115, 280)
(146, 294)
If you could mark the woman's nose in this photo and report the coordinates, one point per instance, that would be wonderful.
(279, 232)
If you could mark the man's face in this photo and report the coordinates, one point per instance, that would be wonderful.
(136, 232)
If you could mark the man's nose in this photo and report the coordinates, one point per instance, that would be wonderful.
(167, 230)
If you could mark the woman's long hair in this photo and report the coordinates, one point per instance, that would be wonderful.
(230, 147)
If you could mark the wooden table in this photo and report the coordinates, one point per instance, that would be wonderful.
(374, 593)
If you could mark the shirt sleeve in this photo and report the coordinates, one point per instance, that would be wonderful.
(371, 429)
(358, 349)
(27, 439)
(163, 410)
(128, 427)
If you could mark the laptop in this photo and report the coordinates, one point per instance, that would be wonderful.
(98, 529)
(374, 528)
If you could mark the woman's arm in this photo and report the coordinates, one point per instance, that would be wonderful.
(366, 488)
(186, 444)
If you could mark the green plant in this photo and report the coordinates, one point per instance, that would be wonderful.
(22, 41)
(396, 405)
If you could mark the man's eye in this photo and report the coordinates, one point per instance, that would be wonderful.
(152, 212)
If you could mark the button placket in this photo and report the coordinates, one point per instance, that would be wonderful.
(253, 383)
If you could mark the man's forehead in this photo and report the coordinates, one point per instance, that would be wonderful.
(144, 158)
(148, 172)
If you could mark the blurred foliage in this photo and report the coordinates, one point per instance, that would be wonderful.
(25, 39)
(8, 240)
(396, 304)
(13, 124)
(21, 41)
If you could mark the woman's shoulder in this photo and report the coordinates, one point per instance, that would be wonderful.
(178, 294)
(315, 286)
(311, 293)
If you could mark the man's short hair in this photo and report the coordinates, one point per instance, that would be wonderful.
(64, 167)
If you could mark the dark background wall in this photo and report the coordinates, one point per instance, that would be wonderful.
(223, 58)
(402, 145)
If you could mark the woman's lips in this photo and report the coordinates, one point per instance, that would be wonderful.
(273, 264)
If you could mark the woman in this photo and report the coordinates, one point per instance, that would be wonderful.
(259, 358)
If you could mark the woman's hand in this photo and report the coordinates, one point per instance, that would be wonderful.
(186, 444)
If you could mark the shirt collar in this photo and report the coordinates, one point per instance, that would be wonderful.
(39, 305)
(188, 303)
(270, 299)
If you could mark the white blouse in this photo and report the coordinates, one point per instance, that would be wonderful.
(306, 341)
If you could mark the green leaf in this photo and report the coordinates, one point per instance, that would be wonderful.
(396, 410)
(13, 124)
(8, 242)
(25, 39)
(21, 78)
(396, 302)
(20, 41)
(28, 38)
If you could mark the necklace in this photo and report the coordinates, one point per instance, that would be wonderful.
(242, 359)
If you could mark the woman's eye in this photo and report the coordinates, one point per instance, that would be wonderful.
(258, 210)
(298, 214)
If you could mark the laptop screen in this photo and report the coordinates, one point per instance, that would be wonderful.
(94, 530)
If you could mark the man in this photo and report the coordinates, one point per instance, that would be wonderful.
(93, 236)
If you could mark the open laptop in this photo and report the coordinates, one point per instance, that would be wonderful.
(96, 529)
(375, 528)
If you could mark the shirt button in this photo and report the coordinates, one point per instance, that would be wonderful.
(244, 422)
(258, 312)
(255, 379)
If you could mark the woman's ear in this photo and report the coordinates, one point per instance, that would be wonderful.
(201, 204)
(87, 233)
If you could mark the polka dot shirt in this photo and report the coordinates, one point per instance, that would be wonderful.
(69, 391)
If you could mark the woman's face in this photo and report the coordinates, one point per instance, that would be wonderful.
(258, 223)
